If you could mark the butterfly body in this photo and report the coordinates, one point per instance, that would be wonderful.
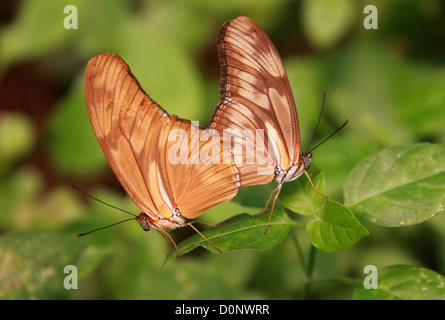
(147, 223)
(295, 170)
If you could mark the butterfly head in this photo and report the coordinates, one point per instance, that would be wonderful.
(144, 221)
(306, 159)
(297, 169)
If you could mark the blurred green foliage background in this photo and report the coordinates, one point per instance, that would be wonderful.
(389, 82)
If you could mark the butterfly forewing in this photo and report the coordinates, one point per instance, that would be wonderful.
(255, 94)
(137, 137)
(109, 90)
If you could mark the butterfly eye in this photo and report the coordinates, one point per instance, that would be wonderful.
(306, 159)
(143, 222)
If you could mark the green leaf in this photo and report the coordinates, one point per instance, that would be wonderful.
(326, 21)
(89, 259)
(254, 196)
(400, 185)
(72, 145)
(159, 61)
(368, 101)
(299, 196)
(335, 229)
(17, 190)
(32, 264)
(37, 29)
(420, 109)
(18, 126)
(241, 232)
(404, 283)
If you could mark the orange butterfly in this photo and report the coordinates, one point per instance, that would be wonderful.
(256, 95)
(141, 142)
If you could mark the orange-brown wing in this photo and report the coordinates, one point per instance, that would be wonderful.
(199, 175)
(116, 104)
(255, 94)
(133, 131)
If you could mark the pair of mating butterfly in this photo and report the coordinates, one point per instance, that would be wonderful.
(135, 132)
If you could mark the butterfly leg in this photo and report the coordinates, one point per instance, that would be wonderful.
(162, 233)
(273, 205)
(313, 185)
(197, 231)
(268, 200)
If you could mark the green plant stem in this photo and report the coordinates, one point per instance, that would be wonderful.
(307, 267)
(310, 267)
(299, 251)
(310, 272)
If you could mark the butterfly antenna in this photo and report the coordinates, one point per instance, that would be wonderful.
(318, 122)
(107, 204)
(337, 130)
(84, 234)
(88, 195)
